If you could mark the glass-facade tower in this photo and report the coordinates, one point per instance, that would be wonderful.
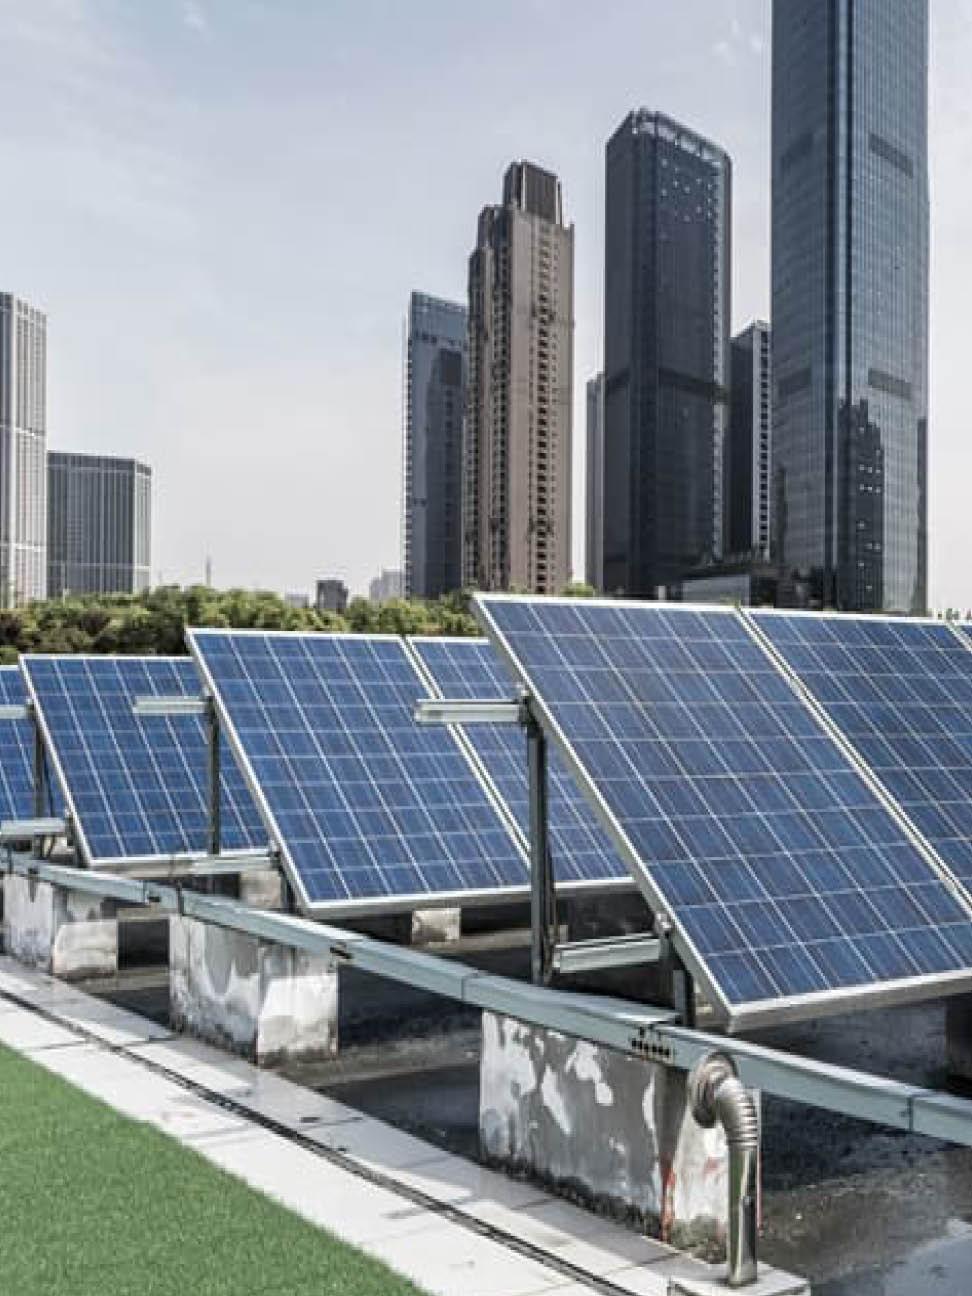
(666, 352)
(850, 300)
(435, 392)
(99, 525)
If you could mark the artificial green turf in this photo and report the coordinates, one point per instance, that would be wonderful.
(94, 1204)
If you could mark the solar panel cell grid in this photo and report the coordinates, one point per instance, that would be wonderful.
(367, 805)
(901, 692)
(782, 870)
(581, 848)
(137, 786)
(17, 754)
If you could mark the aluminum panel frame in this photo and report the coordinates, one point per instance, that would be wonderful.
(755, 1014)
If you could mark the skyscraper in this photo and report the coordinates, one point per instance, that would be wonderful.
(850, 299)
(23, 440)
(99, 525)
(517, 451)
(594, 512)
(666, 351)
(435, 386)
(749, 455)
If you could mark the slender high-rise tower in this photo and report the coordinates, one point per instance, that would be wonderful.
(594, 494)
(749, 457)
(666, 352)
(23, 440)
(850, 300)
(435, 386)
(517, 452)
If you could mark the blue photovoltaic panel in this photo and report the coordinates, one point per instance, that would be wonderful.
(900, 691)
(17, 753)
(581, 848)
(368, 807)
(785, 877)
(136, 787)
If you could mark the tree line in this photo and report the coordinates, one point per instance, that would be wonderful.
(154, 623)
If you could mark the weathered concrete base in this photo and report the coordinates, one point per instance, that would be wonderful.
(769, 1282)
(270, 1003)
(262, 889)
(436, 926)
(66, 933)
(607, 1129)
(958, 1036)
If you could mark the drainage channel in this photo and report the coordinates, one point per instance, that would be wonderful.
(375, 1177)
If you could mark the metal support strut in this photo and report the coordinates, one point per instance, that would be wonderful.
(718, 1096)
(40, 785)
(543, 899)
(212, 734)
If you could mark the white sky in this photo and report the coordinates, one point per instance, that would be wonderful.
(223, 206)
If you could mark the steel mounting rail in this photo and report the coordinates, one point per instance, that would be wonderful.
(636, 1029)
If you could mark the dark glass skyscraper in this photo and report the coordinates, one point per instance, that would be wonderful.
(435, 394)
(666, 352)
(850, 299)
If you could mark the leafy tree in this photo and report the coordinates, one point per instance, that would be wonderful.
(154, 622)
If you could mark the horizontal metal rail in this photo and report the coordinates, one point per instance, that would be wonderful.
(175, 705)
(468, 711)
(14, 711)
(575, 957)
(636, 1029)
(21, 829)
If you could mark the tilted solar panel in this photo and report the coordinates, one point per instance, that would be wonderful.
(790, 886)
(900, 691)
(581, 849)
(136, 787)
(369, 809)
(17, 754)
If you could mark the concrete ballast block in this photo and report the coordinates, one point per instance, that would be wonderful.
(67, 933)
(265, 1001)
(436, 926)
(958, 1036)
(611, 1130)
(262, 888)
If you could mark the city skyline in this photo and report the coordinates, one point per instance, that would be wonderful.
(240, 372)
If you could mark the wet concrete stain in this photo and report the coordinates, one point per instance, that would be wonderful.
(859, 1210)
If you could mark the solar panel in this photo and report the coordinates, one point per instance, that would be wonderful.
(581, 849)
(790, 887)
(136, 788)
(900, 691)
(369, 809)
(17, 753)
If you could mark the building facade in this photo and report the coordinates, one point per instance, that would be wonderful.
(436, 351)
(517, 445)
(23, 444)
(594, 495)
(99, 525)
(666, 352)
(331, 595)
(749, 457)
(388, 584)
(850, 300)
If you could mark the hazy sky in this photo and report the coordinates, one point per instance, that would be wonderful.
(223, 205)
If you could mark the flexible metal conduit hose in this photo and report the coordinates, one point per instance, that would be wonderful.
(718, 1096)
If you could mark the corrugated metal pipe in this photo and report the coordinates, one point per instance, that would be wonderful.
(718, 1096)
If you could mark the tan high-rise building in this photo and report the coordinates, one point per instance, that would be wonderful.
(517, 443)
